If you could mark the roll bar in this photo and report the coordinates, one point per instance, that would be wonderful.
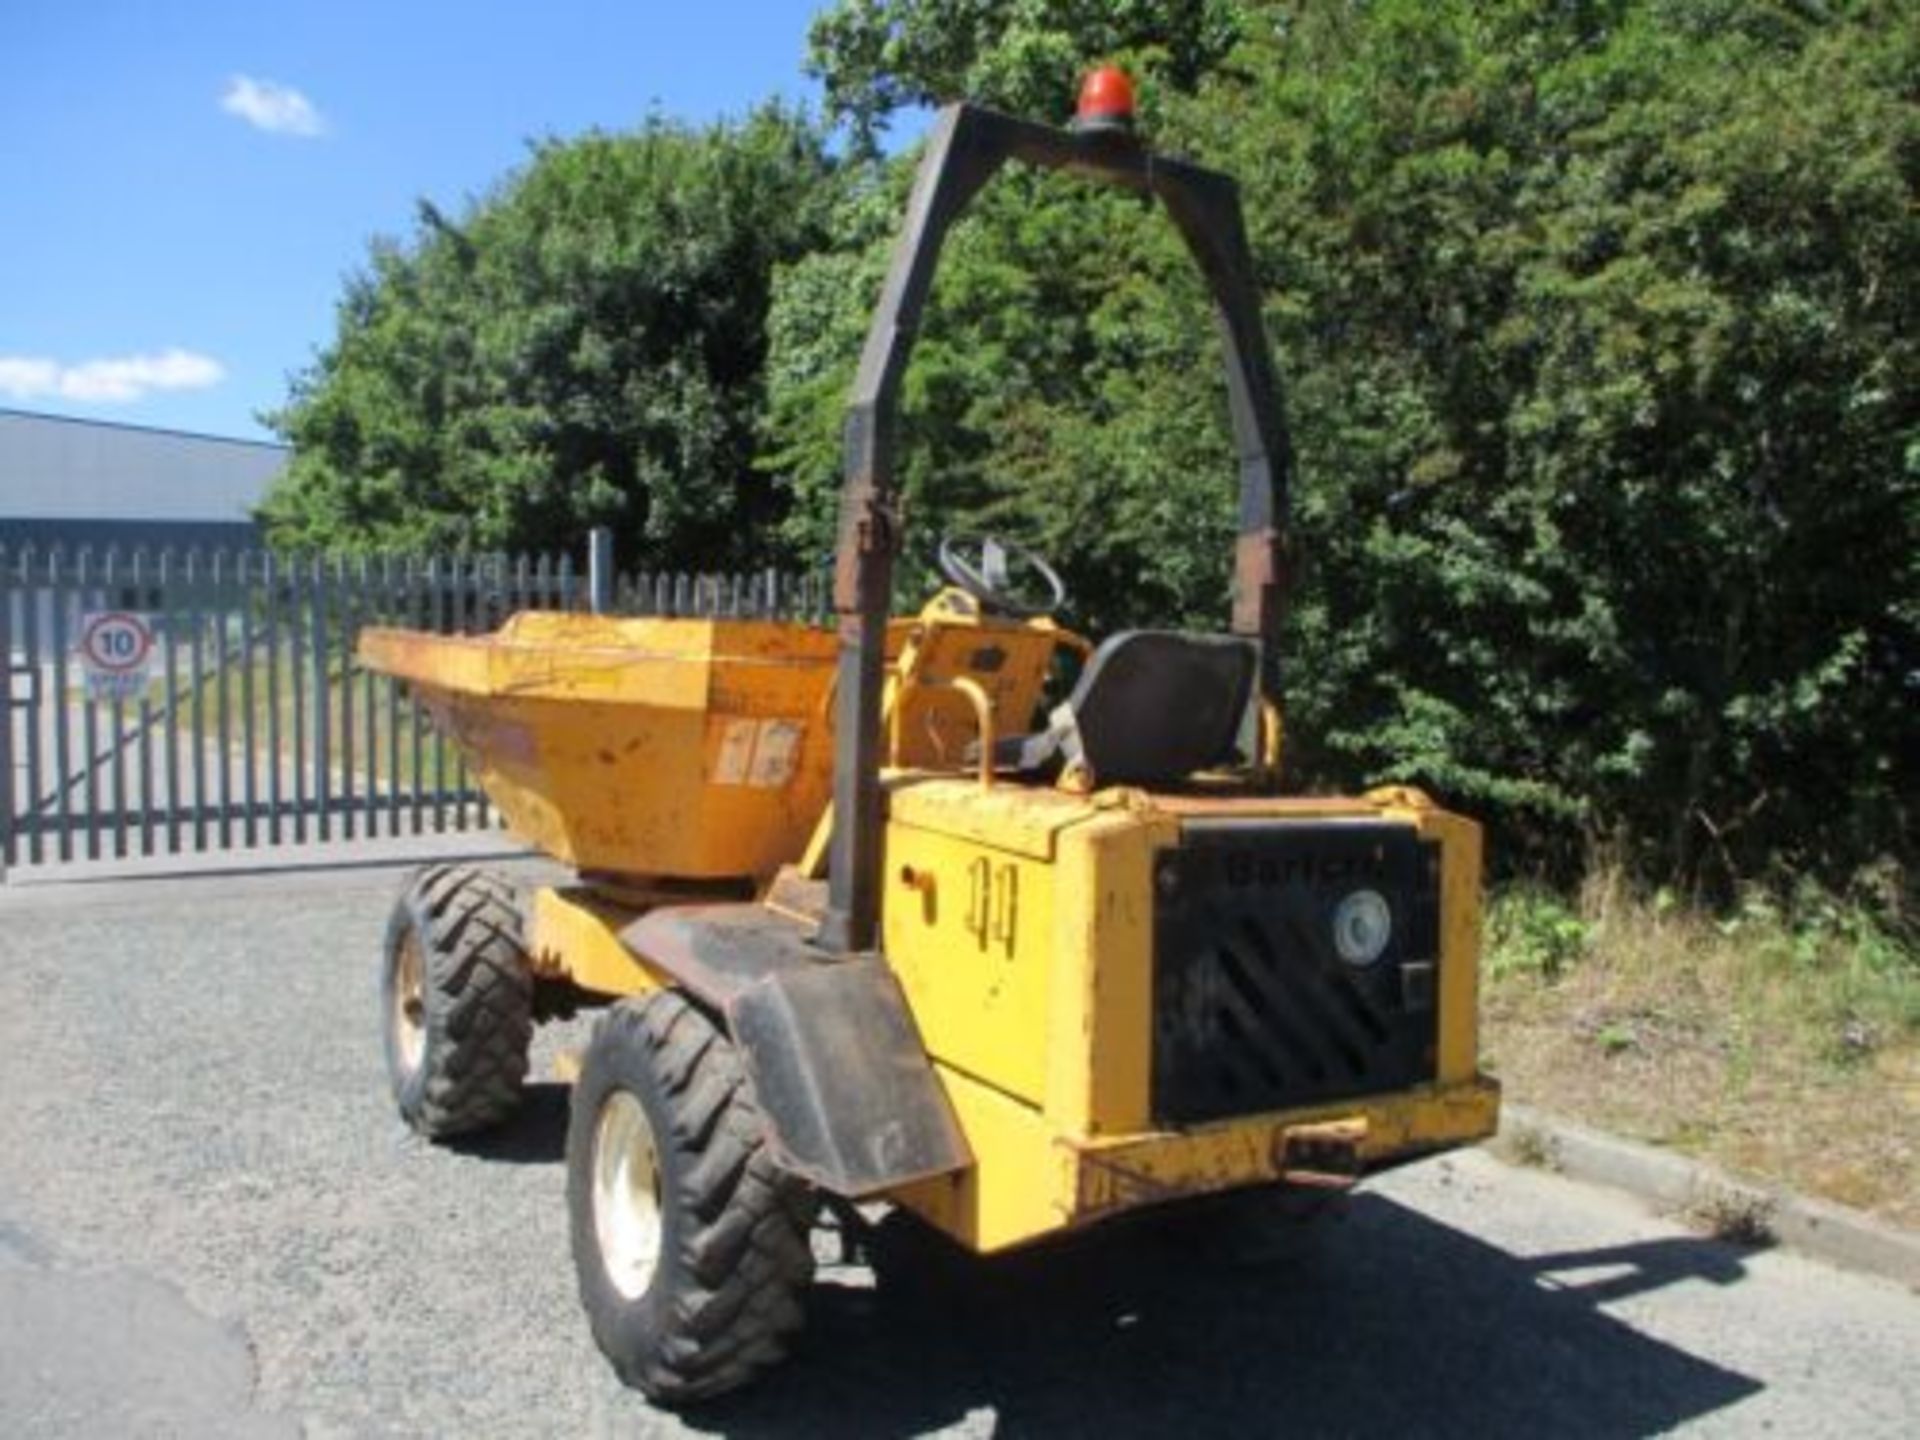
(967, 146)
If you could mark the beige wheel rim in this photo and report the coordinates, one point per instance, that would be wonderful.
(626, 1194)
(409, 1018)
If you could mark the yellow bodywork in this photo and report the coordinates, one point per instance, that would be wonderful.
(689, 748)
(1018, 918)
(1026, 951)
(1019, 922)
(695, 748)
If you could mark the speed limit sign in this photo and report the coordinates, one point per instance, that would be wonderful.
(116, 653)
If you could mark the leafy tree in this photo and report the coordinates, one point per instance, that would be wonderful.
(584, 346)
(1599, 322)
(1059, 336)
(1067, 354)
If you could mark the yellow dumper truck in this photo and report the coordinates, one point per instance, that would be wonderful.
(877, 914)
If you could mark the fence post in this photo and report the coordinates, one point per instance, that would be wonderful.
(319, 596)
(600, 570)
(6, 714)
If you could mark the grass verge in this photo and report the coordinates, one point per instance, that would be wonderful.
(1780, 1041)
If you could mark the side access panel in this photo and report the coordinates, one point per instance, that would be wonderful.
(837, 1064)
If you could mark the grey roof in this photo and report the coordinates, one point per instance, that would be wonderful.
(55, 468)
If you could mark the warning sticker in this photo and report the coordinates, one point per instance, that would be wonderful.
(762, 754)
(775, 754)
(735, 754)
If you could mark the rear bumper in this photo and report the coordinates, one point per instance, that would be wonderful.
(1029, 1181)
(1326, 1145)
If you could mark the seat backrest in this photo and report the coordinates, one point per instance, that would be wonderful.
(1154, 706)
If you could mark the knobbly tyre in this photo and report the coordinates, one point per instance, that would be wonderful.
(864, 930)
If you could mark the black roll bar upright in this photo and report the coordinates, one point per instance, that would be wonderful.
(968, 144)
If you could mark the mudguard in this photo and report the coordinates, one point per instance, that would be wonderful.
(837, 1063)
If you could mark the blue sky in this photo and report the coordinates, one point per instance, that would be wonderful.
(187, 184)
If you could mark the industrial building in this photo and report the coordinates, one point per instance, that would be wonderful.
(89, 483)
(88, 490)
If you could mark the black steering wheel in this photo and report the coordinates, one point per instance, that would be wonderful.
(1006, 579)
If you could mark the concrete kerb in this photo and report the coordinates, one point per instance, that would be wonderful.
(1701, 1194)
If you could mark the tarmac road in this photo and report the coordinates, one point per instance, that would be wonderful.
(212, 1224)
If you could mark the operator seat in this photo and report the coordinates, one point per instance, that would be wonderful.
(1151, 708)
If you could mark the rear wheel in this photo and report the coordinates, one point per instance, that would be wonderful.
(690, 1243)
(457, 1001)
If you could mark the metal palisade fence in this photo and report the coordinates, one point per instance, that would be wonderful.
(163, 702)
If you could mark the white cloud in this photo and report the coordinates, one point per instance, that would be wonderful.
(112, 381)
(270, 106)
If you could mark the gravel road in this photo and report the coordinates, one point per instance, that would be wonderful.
(212, 1224)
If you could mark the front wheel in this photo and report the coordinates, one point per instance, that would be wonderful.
(456, 997)
(691, 1245)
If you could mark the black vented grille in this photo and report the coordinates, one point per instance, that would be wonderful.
(1254, 1009)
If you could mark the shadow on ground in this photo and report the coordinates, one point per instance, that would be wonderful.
(1371, 1320)
(1236, 1316)
(535, 1135)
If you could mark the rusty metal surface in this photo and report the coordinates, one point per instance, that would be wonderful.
(967, 146)
(1327, 1155)
(1333, 1147)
